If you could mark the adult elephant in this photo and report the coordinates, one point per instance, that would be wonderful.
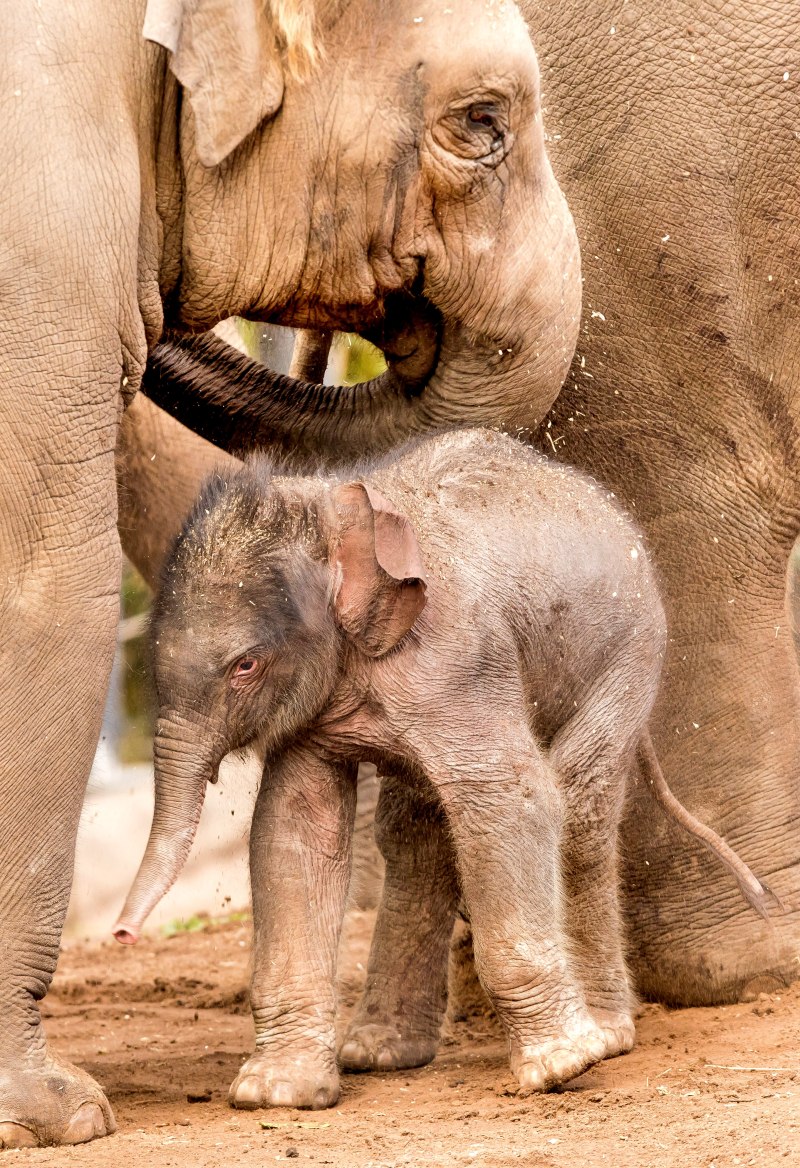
(676, 137)
(395, 173)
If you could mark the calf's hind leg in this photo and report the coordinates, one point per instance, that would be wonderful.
(505, 813)
(400, 1015)
(593, 758)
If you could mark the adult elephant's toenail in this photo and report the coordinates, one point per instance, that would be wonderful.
(16, 1135)
(353, 1054)
(282, 1095)
(248, 1094)
(324, 1098)
(86, 1124)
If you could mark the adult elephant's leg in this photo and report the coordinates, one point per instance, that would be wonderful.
(58, 613)
(160, 468)
(684, 399)
(399, 1018)
(728, 732)
(717, 494)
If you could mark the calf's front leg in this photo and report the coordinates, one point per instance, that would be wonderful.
(300, 849)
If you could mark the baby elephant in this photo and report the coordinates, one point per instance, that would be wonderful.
(491, 639)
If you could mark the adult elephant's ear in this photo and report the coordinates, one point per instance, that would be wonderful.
(380, 586)
(226, 56)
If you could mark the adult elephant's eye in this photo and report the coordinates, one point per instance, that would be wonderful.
(485, 114)
(476, 130)
(485, 118)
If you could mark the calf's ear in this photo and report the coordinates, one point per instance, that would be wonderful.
(225, 55)
(376, 557)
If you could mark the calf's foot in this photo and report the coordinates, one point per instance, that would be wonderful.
(51, 1103)
(286, 1079)
(370, 1046)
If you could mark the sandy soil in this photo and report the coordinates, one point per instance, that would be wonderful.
(165, 1026)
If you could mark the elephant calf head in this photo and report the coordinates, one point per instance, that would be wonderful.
(401, 189)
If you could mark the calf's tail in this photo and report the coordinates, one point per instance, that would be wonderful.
(757, 894)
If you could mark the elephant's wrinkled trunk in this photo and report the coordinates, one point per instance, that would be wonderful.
(240, 405)
(182, 769)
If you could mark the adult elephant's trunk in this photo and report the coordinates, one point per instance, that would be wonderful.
(441, 373)
(182, 768)
(241, 405)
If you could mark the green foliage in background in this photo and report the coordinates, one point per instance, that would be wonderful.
(352, 358)
(355, 359)
(201, 922)
(138, 702)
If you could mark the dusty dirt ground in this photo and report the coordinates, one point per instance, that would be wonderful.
(165, 1026)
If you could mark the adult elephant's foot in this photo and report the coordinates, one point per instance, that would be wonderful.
(371, 1046)
(548, 1064)
(286, 1079)
(51, 1103)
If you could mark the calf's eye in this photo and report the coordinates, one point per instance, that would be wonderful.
(245, 669)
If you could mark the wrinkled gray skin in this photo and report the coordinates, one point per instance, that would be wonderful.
(411, 161)
(674, 136)
(505, 724)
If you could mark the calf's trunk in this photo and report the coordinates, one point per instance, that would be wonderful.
(183, 767)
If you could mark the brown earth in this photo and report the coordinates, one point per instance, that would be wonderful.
(164, 1027)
